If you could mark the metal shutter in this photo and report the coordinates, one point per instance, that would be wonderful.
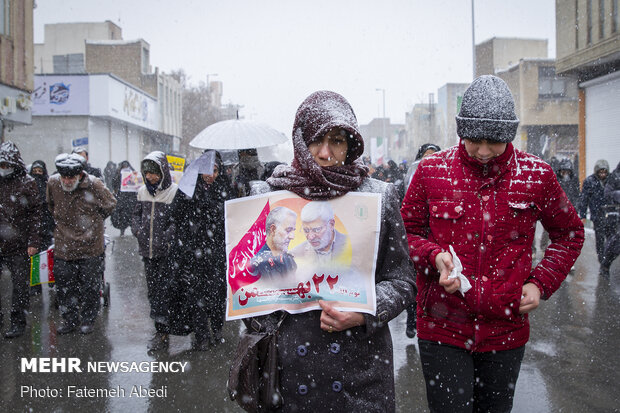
(602, 120)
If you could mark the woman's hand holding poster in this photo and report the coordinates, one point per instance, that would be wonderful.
(286, 253)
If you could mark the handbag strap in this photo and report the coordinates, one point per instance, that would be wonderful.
(284, 314)
(257, 327)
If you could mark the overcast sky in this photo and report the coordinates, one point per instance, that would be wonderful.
(271, 54)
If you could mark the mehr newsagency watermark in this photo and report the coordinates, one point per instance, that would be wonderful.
(75, 365)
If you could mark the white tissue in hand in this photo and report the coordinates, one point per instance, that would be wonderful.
(457, 273)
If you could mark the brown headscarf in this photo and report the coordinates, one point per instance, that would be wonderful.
(317, 115)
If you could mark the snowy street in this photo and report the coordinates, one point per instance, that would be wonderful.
(570, 361)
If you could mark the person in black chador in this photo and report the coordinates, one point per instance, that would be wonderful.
(108, 174)
(201, 252)
(121, 218)
(38, 170)
(248, 169)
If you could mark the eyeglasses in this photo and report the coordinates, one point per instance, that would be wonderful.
(316, 230)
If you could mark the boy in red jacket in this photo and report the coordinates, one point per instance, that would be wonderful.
(483, 198)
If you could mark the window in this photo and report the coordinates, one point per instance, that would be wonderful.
(145, 60)
(550, 85)
(601, 19)
(69, 63)
(5, 17)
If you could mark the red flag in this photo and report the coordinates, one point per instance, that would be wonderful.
(240, 256)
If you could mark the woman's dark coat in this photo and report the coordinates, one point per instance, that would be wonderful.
(20, 206)
(46, 225)
(200, 223)
(352, 370)
(200, 250)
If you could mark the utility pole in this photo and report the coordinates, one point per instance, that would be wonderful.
(473, 39)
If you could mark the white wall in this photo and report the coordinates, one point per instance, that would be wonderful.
(134, 147)
(117, 135)
(47, 137)
(602, 121)
(98, 143)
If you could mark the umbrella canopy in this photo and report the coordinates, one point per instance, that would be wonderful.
(237, 134)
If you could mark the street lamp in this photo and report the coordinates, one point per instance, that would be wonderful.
(473, 38)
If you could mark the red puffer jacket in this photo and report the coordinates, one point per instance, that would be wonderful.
(488, 214)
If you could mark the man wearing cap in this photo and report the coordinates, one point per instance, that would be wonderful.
(79, 204)
(19, 230)
(88, 168)
(482, 198)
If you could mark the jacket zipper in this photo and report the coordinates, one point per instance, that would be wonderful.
(151, 230)
(476, 277)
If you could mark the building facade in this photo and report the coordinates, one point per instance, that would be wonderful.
(499, 53)
(95, 89)
(16, 64)
(423, 126)
(112, 118)
(64, 49)
(546, 103)
(588, 48)
(449, 99)
(128, 60)
(547, 106)
(384, 141)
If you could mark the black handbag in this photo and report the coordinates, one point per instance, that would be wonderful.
(254, 380)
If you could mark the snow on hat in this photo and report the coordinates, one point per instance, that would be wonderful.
(565, 165)
(10, 154)
(38, 164)
(321, 112)
(487, 111)
(69, 164)
(79, 150)
(149, 165)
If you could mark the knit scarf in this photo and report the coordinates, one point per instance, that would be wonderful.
(313, 182)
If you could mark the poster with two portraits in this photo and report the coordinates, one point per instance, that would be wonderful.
(287, 253)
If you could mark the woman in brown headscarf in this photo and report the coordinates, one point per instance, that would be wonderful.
(331, 359)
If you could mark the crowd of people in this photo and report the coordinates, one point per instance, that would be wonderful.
(455, 220)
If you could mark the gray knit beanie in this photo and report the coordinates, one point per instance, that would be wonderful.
(487, 111)
(600, 164)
